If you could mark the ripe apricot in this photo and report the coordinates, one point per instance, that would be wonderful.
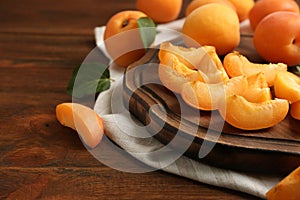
(295, 110)
(122, 38)
(197, 3)
(243, 8)
(204, 59)
(246, 115)
(258, 89)
(212, 24)
(205, 96)
(264, 7)
(174, 74)
(283, 44)
(83, 119)
(191, 57)
(161, 11)
(236, 64)
(287, 86)
(258, 95)
(287, 188)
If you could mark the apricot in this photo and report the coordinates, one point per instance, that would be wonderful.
(243, 8)
(258, 95)
(174, 74)
(197, 3)
(283, 44)
(122, 37)
(246, 115)
(287, 86)
(287, 188)
(295, 110)
(212, 24)
(83, 119)
(263, 8)
(257, 81)
(258, 89)
(204, 59)
(206, 96)
(236, 64)
(161, 11)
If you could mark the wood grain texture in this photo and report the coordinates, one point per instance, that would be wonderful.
(41, 41)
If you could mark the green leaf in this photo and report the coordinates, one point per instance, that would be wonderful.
(147, 29)
(297, 70)
(89, 79)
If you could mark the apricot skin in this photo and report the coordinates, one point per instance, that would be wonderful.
(264, 7)
(122, 38)
(283, 45)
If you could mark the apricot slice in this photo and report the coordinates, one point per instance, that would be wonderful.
(295, 110)
(206, 96)
(287, 188)
(203, 58)
(258, 90)
(287, 86)
(246, 115)
(257, 81)
(83, 119)
(175, 74)
(257, 95)
(236, 64)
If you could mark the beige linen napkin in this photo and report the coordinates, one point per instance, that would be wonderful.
(123, 130)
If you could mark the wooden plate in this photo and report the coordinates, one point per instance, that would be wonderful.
(273, 150)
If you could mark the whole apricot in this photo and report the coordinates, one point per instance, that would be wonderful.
(277, 37)
(122, 37)
(161, 11)
(197, 3)
(212, 24)
(243, 8)
(264, 7)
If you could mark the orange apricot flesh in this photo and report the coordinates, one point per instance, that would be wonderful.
(257, 81)
(287, 188)
(204, 59)
(174, 74)
(206, 96)
(295, 110)
(83, 119)
(246, 115)
(236, 64)
(257, 95)
(258, 90)
(287, 86)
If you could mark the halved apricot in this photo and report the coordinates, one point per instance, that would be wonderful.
(83, 119)
(258, 95)
(287, 188)
(236, 64)
(203, 58)
(246, 115)
(295, 110)
(258, 90)
(174, 74)
(257, 80)
(205, 96)
(287, 86)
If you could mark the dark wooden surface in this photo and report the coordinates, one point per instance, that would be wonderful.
(41, 41)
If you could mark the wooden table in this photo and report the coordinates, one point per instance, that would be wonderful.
(41, 41)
